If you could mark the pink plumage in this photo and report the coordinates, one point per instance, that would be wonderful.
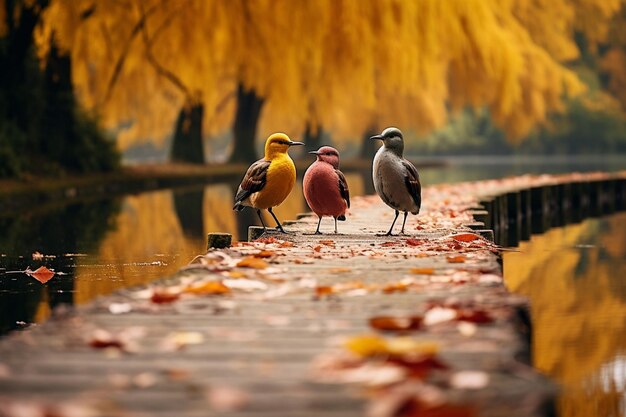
(325, 187)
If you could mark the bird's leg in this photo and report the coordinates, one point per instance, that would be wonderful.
(394, 222)
(258, 212)
(317, 231)
(335, 225)
(278, 225)
(406, 213)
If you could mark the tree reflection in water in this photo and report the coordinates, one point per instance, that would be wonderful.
(574, 277)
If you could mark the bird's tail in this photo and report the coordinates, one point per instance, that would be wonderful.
(342, 218)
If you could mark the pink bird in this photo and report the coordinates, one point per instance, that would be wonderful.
(325, 187)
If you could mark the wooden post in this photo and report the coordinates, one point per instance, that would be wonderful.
(219, 240)
(255, 232)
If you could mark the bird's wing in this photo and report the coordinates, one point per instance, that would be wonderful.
(412, 182)
(343, 187)
(253, 181)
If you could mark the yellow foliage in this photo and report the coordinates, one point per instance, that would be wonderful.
(577, 306)
(344, 64)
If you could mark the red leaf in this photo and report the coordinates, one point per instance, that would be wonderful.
(41, 274)
(465, 237)
(163, 297)
(474, 316)
(418, 367)
(414, 242)
(389, 323)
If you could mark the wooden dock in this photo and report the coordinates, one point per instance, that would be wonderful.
(352, 324)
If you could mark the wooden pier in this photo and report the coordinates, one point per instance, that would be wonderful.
(353, 324)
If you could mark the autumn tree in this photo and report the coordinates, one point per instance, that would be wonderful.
(349, 66)
(42, 129)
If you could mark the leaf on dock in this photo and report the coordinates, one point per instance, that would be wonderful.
(252, 262)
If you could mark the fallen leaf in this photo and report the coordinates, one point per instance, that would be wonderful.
(120, 308)
(465, 237)
(414, 242)
(438, 315)
(244, 284)
(41, 274)
(418, 367)
(101, 339)
(422, 271)
(264, 254)
(324, 290)
(392, 287)
(161, 296)
(469, 380)
(367, 345)
(252, 262)
(327, 242)
(474, 316)
(237, 274)
(209, 288)
(456, 259)
(389, 323)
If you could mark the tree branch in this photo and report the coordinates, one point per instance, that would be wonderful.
(119, 64)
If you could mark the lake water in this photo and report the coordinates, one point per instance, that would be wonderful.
(575, 276)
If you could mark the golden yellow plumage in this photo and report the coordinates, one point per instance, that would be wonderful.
(268, 181)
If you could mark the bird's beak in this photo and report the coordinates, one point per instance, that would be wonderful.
(315, 152)
(377, 137)
(295, 143)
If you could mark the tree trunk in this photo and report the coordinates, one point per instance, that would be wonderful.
(312, 138)
(249, 107)
(369, 146)
(189, 208)
(187, 144)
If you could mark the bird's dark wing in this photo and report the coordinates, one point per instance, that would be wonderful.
(412, 182)
(343, 187)
(253, 181)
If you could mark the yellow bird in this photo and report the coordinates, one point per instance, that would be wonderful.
(268, 181)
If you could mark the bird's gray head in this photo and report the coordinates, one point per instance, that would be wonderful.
(392, 140)
(328, 154)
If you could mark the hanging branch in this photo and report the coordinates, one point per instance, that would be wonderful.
(161, 70)
(119, 65)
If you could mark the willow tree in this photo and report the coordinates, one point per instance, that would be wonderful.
(343, 64)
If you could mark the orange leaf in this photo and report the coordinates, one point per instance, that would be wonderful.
(414, 242)
(395, 287)
(388, 244)
(236, 274)
(422, 271)
(456, 259)
(209, 288)
(327, 242)
(264, 254)
(252, 262)
(324, 290)
(465, 237)
(41, 274)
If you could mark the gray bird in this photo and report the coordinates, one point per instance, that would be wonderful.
(396, 180)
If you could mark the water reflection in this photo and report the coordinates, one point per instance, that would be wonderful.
(574, 277)
(104, 245)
